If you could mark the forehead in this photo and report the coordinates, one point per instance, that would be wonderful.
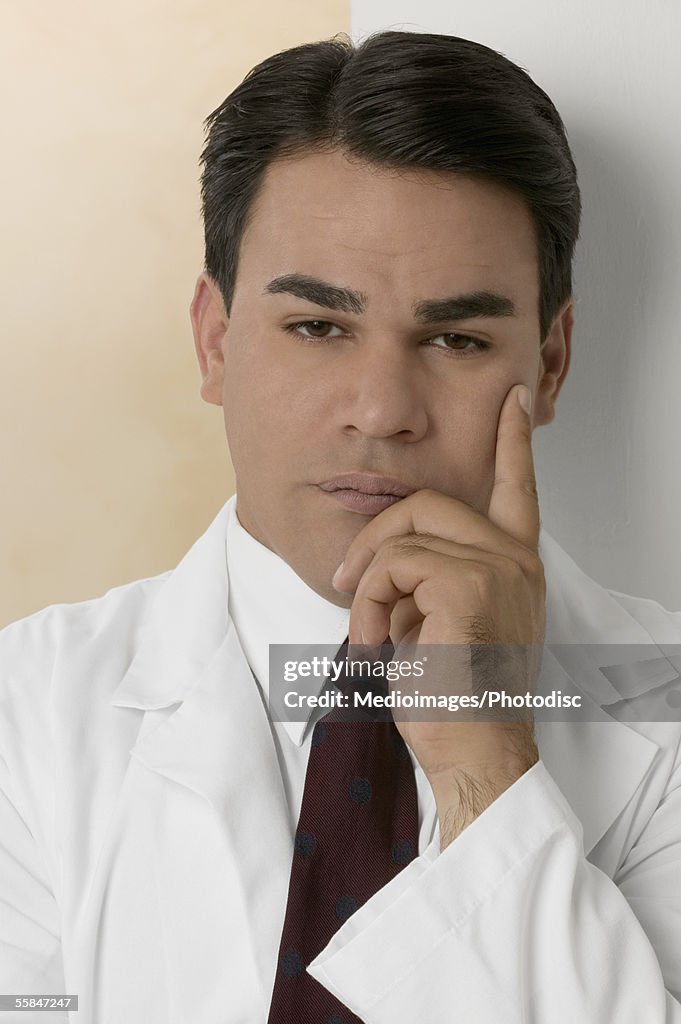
(330, 214)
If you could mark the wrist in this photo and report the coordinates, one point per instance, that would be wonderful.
(464, 788)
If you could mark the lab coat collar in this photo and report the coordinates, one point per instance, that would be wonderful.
(185, 625)
(190, 654)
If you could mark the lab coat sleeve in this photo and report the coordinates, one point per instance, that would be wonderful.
(512, 923)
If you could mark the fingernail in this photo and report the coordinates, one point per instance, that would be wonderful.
(525, 398)
(336, 575)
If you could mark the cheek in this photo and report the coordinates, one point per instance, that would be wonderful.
(261, 371)
(470, 418)
(250, 383)
(263, 409)
(468, 429)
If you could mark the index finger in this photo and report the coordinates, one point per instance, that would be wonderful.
(425, 512)
(514, 505)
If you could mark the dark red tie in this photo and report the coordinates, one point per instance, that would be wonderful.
(358, 827)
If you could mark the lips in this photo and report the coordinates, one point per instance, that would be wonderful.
(368, 483)
(366, 493)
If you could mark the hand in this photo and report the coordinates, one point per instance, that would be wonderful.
(432, 570)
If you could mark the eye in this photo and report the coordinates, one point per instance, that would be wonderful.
(460, 344)
(313, 325)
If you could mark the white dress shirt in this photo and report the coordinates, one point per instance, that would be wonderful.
(270, 604)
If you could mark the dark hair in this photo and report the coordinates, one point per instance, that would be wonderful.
(403, 100)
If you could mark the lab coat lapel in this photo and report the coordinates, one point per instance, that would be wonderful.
(218, 742)
(597, 761)
(593, 648)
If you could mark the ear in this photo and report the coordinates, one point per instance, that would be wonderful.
(554, 362)
(209, 325)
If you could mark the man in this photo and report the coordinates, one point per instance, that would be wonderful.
(384, 317)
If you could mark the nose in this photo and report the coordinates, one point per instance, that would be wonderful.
(384, 395)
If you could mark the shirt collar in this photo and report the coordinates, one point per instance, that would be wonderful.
(270, 604)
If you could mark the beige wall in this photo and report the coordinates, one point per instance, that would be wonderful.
(110, 463)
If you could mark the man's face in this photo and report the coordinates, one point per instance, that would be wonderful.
(372, 390)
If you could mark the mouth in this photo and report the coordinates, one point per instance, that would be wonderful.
(366, 493)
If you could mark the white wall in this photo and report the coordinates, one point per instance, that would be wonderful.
(610, 466)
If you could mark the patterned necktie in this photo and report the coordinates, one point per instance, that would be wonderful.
(358, 827)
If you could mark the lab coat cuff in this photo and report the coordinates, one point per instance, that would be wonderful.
(386, 940)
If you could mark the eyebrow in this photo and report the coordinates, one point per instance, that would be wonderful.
(466, 306)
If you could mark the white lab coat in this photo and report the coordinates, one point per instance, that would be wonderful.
(145, 848)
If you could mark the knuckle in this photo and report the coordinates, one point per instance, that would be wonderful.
(424, 494)
(534, 569)
(422, 500)
(484, 577)
(410, 544)
(409, 548)
(396, 547)
(514, 569)
(529, 564)
(423, 539)
(479, 630)
(528, 485)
